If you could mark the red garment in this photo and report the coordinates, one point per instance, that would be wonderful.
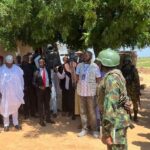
(1, 57)
(44, 77)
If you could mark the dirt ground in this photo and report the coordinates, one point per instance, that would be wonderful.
(63, 135)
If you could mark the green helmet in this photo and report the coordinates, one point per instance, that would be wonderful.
(109, 58)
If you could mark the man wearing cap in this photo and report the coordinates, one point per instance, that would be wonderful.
(11, 92)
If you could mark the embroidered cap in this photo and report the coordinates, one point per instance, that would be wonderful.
(9, 59)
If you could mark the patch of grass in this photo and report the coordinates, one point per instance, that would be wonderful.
(143, 62)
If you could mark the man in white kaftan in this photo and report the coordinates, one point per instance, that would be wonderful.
(11, 91)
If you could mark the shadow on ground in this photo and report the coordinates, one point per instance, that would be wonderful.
(142, 145)
(63, 126)
(144, 112)
(144, 119)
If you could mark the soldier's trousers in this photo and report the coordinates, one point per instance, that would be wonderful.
(133, 96)
(87, 112)
(117, 147)
(135, 105)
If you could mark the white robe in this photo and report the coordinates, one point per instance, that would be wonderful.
(11, 88)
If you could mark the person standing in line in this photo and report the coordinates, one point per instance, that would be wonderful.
(66, 74)
(42, 81)
(53, 94)
(18, 60)
(63, 85)
(11, 92)
(88, 75)
(29, 94)
(58, 90)
(69, 69)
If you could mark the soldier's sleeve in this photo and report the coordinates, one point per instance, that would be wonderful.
(112, 93)
(137, 80)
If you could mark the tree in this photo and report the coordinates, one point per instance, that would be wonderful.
(79, 23)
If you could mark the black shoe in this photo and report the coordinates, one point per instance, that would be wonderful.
(50, 121)
(26, 117)
(73, 117)
(69, 114)
(54, 115)
(6, 129)
(34, 116)
(42, 123)
(17, 127)
(63, 114)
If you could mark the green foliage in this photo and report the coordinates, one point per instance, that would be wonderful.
(79, 23)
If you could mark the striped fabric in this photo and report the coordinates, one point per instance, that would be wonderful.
(84, 84)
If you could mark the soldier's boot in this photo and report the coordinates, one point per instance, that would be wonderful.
(135, 116)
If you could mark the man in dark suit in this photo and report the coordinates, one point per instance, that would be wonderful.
(29, 90)
(42, 80)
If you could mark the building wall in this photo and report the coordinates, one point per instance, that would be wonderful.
(21, 50)
(4, 53)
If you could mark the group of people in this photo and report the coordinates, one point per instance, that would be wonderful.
(98, 90)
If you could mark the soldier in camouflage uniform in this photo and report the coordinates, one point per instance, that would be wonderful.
(111, 92)
(131, 75)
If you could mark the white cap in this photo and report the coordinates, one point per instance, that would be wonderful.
(9, 59)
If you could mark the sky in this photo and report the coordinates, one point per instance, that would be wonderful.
(145, 52)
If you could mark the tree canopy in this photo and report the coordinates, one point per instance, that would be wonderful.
(79, 23)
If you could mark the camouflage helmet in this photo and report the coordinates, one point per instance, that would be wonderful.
(109, 58)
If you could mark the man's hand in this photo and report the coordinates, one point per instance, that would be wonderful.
(107, 140)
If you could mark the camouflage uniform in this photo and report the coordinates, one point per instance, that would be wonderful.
(115, 121)
(133, 86)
